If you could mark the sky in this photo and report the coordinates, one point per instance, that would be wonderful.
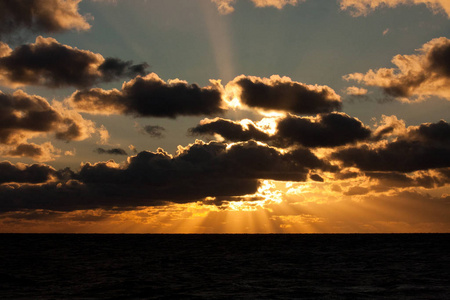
(225, 116)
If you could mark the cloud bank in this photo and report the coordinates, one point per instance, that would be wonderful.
(326, 130)
(421, 148)
(198, 171)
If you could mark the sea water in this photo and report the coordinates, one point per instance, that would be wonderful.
(236, 266)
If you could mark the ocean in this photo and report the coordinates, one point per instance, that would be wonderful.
(234, 266)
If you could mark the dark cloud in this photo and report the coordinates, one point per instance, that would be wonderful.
(422, 75)
(402, 156)
(432, 133)
(25, 173)
(283, 94)
(421, 148)
(114, 69)
(155, 131)
(151, 178)
(49, 63)
(40, 15)
(326, 130)
(316, 177)
(423, 179)
(439, 58)
(115, 151)
(230, 130)
(23, 112)
(23, 115)
(150, 96)
(43, 152)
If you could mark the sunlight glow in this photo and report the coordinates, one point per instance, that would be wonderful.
(267, 194)
(268, 125)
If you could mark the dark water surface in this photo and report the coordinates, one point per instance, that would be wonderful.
(385, 266)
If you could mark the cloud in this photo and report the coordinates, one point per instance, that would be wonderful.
(356, 190)
(363, 7)
(114, 151)
(326, 130)
(198, 171)
(427, 179)
(422, 147)
(49, 63)
(155, 131)
(24, 116)
(43, 152)
(231, 130)
(226, 6)
(316, 177)
(430, 133)
(418, 76)
(150, 96)
(22, 173)
(389, 126)
(282, 94)
(275, 3)
(356, 91)
(133, 149)
(40, 15)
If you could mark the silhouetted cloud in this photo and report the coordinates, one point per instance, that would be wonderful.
(430, 133)
(430, 180)
(363, 7)
(150, 96)
(282, 94)
(326, 130)
(114, 69)
(24, 116)
(155, 131)
(419, 75)
(43, 152)
(25, 173)
(115, 151)
(49, 63)
(421, 148)
(150, 178)
(40, 15)
(316, 177)
(230, 130)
